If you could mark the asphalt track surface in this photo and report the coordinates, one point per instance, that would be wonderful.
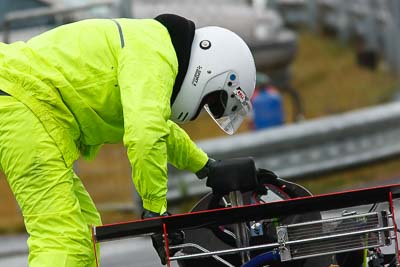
(136, 252)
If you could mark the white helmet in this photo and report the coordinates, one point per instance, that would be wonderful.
(221, 77)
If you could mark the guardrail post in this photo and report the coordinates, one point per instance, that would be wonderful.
(392, 35)
(6, 32)
(272, 4)
(259, 5)
(396, 36)
(383, 32)
(312, 10)
(371, 26)
(343, 21)
(125, 9)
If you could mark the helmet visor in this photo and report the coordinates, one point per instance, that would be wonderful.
(236, 111)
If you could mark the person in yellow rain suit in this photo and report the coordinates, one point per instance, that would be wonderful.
(70, 90)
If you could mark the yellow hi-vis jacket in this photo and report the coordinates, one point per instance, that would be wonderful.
(102, 81)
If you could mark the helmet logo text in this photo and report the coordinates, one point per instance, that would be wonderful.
(197, 75)
(240, 95)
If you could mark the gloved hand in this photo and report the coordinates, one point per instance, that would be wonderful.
(265, 176)
(174, 238)
(203, 173)
(224, 176)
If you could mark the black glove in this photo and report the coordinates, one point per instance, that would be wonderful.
(174, 238)
(224, 176)
(203, 173)
(265, 176)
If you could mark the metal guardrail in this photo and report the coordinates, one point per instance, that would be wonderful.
(307, 148)
(24, 15)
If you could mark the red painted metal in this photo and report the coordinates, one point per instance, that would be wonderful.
(166, 244)
(395, 226)
(94, 246)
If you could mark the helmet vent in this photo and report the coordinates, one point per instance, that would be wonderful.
(180, 115)
(187, 113)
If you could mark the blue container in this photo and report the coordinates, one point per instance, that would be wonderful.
(268, 109)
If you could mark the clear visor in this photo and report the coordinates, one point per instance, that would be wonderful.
(238, 109)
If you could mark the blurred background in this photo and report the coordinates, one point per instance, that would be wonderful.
(326, 111)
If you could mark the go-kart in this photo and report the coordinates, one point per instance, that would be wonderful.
(276, 223)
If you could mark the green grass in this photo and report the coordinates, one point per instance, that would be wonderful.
(329, 80)
(382, 172)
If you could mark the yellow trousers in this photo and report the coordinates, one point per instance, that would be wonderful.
(56, 207)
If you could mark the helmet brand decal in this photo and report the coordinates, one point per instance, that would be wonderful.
(240, 95)
(197, 75)
(205, 44)
(243, 99)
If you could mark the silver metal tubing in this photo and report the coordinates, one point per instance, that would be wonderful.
(240, 229)
(224, 252)
(192, 245)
